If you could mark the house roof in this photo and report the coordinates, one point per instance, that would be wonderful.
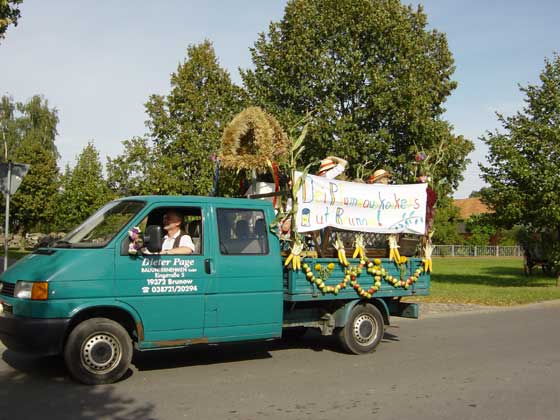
(471, 206)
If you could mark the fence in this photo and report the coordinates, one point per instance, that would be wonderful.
(476, 251)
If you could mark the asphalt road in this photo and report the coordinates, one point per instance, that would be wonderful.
(497, 365)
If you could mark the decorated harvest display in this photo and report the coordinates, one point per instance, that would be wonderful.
(314, 210)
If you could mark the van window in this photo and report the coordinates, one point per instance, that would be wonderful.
(102, 226)
(191, 225)
(242, 232)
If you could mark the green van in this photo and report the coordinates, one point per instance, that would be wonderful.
(88, 298)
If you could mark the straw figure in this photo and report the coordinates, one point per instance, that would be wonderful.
(253, 140)
(331, 167)
(381, 176)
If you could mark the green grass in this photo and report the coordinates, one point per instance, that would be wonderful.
(488, 281)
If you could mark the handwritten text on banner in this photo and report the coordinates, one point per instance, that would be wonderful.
(361, 207)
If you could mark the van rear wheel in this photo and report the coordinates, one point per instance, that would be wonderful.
(363, 330)
(98, 351)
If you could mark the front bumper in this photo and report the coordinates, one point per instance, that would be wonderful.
(39, 336)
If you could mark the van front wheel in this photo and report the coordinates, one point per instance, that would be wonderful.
(98, 351)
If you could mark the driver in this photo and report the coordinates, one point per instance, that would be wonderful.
(175, 241)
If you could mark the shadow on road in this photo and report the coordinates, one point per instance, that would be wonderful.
(40, 388)
(237, 352)
(387, 337)
(210, 354)
(50, 373)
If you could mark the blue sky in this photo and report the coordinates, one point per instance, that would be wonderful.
(97, 62)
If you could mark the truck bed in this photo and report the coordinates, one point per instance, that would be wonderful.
(298, 288)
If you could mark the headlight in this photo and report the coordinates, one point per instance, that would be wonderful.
(34, 290)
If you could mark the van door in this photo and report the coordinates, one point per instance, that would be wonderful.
(167, 291)
(245, 294)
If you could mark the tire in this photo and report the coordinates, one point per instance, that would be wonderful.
(363, 330)
(98, 351)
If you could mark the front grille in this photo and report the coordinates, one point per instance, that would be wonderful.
(8, 289)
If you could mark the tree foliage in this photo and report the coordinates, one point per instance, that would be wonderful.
(185, 128)
(477, 193)
(9, 15)
(374, 77)
(481, 230)
(524, 163)
(447, 224)
(83, 189)
(524, 158)
(30, 132)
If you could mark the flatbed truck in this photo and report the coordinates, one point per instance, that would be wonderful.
(87, 298)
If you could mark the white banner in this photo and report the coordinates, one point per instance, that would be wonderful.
(360, 207)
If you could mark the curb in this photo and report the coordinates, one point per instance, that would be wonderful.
(435, 310)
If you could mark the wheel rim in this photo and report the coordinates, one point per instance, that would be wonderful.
(365, 329)
(101, 353)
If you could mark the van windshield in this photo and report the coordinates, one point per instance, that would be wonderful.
(102, 226)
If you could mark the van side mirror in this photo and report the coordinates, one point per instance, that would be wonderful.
(153, 238)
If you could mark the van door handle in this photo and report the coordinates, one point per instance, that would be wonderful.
(208, 265)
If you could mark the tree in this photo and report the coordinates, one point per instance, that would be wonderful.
(481, 230)
(185, 128)
(9, 15)
(129, 173)
(477, 193)
(447, 224)
(84, 189)
(373, 76)
(30, 135)
(524, 160)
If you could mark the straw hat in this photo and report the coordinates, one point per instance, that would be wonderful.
(377, 175)
(326, 164)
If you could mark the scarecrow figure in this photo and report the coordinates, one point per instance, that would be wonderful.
(331, 167)
(381, 176)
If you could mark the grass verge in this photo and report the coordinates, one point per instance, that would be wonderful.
(488, 281)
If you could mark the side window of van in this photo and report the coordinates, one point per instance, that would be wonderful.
(190, 225)
(242, 232)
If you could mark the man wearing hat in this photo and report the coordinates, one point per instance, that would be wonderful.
(381, 176)
(331, 167)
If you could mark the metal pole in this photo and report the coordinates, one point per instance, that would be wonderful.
(7, 200)
(7, 218)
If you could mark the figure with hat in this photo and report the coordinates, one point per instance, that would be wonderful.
(381, 176)
(331, 167)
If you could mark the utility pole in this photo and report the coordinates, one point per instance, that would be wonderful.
(11, 175)
(7, 214)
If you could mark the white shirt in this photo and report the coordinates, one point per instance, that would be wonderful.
(334, 172)
(185, 241)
